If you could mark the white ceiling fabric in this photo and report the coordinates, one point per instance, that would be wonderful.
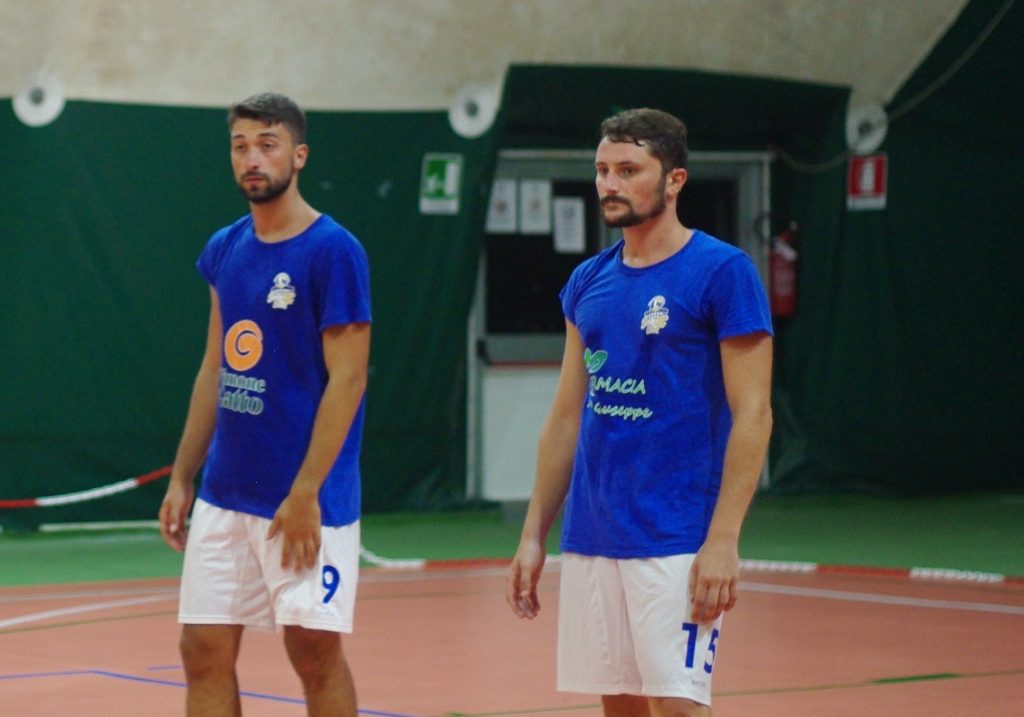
(418, 54)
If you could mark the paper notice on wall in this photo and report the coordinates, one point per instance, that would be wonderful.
(535, 206)
(570, 232)
(501, 210)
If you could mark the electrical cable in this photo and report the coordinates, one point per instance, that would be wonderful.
(902, 110)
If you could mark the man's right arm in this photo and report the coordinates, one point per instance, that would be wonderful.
(555, 452)
(196, 436)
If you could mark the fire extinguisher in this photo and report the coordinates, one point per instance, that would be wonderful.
(782, 264)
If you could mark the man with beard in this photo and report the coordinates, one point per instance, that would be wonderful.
(654, 441)
(276, 413)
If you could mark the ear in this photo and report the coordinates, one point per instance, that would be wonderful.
(675, 180)
(300, 156)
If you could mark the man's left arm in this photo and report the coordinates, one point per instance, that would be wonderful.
(746, 370)
(346, 353)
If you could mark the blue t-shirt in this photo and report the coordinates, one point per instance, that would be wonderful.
(655, 422)
(275, 300)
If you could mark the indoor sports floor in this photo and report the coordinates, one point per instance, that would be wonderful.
(848, 633)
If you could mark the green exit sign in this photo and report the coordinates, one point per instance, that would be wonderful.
(440, 182)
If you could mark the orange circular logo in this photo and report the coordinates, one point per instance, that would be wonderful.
(243, 345)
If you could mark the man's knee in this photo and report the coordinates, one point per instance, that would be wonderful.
(677, 707)
(635, 705)
(625, 706)
(315, 654)
(209, 648)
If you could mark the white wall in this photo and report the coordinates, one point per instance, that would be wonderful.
(515, 402)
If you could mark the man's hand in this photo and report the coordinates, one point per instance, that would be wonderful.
(298, 521)
(174, 512)
(713, 579)
(522, 578)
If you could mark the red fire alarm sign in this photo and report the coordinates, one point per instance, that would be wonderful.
(867, 181)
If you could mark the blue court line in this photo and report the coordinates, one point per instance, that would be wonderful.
(172, 683)
(30, 675)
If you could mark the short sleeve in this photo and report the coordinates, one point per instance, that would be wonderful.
(736, 299)
(210, 258)
(345, 282)
(567, 296)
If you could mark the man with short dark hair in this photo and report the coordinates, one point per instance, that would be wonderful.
(276, 413)
(654, 441)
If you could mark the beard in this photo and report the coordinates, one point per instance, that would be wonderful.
(631, 218)
(268, 192)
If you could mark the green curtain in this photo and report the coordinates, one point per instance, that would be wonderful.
(901, 372)
(106, 210)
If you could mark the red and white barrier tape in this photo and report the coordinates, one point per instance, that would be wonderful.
(974, 576)
(86, 495)
(752, 566)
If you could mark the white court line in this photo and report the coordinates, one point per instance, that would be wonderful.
(109, 592)
(63, 612)
(820, 594)
(884, 599)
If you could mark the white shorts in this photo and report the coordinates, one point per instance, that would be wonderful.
(233, 575)
(624, 628)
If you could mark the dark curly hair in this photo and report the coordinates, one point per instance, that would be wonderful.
(663, 134)
(271, 108)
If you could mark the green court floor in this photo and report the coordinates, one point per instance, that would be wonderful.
(974, 532)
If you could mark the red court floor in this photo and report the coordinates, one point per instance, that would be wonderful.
(442, 642)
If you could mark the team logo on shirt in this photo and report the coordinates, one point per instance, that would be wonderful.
(243, 349)
(656, 316)
(594, 359)
(282, 295)
(243, 345)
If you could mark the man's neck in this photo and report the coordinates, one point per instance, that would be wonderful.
(653, 241)
(282, 218)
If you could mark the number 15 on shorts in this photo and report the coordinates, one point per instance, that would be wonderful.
(690, 629)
